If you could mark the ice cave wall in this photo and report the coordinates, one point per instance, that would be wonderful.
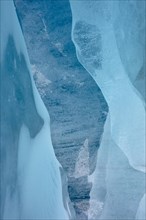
(31, 185)
(109, 37)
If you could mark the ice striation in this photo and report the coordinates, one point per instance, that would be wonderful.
(109, 37)
(31, 186)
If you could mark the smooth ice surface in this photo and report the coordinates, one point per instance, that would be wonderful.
(31, 185)
(141, 212)
(116, 185)
(109, 37)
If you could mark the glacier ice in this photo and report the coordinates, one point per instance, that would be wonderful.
(109, 37)
(116, 184)
(31, 186)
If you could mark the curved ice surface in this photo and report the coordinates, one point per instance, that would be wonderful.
(110, 44)
(117, 186)
(97, 50)
(31, 185)
(141, 213)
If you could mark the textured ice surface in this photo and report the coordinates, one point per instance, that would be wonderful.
(99, 31)
(31, 185)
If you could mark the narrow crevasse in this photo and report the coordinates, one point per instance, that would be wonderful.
(31, 186)
(75, 103)
(109, 37)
